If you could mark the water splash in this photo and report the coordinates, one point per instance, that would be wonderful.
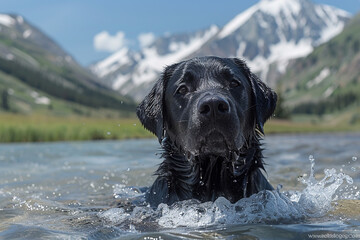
(264, 207)
(316, 198)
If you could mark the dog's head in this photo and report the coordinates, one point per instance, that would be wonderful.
(207, 106)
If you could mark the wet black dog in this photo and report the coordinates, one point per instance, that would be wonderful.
(208, 113)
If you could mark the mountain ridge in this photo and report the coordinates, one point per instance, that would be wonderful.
(299, 25)
(33, 58)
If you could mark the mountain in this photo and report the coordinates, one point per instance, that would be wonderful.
(328, 79)
(267, 35)
(133, 73)
(45, 71)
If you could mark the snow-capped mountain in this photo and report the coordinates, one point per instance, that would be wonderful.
(269, 33)
(133, 73)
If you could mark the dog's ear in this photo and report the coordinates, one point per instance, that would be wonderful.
(263, 97)
(150, 111)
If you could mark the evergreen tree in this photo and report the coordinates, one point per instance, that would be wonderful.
(5, 100)
(281, 111)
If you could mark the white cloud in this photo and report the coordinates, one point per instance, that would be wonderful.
(103, 41)
(145, 39)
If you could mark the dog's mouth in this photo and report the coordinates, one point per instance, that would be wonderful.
(214, 143)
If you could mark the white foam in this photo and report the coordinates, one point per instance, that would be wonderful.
(272, 207)
(115, 215)
(264, 207)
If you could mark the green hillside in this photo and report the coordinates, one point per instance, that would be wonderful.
(34, 68)
(328, 80)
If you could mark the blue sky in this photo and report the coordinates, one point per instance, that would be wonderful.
(74, 23)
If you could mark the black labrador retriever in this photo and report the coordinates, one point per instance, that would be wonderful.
(208, 114)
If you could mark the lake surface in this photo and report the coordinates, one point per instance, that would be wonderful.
(73, 190)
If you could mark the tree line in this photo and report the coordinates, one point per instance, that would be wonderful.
(336, 103)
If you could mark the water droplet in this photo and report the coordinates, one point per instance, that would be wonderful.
(201, 183)
(312, 169)
(353, 168)
(349, 180)
(354, 158)
(235, 181)
(128, 170)
(108, 133)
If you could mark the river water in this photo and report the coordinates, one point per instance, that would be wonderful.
(92, 190)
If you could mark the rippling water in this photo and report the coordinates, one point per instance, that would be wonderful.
(92, 190)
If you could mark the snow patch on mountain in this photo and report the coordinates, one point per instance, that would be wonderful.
(153, 63)
(6, 20)
(237, 22)
(275, 7)
(319, 78)
(120, 80)
(241, 49)
(112, 63)
(329, 91)
(27, 33)
(281, 52)
(40, 99)
(20, 19)
(334, 26)
(272, 7)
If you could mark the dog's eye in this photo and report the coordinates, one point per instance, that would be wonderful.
(182, 90)
(234, 84)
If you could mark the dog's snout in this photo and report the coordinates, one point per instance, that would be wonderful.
(213, 106)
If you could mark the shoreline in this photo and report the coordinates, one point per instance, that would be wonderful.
(41, 128)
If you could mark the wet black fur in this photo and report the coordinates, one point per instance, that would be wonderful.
(207, 177)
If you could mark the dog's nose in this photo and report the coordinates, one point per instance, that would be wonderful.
(212, 105)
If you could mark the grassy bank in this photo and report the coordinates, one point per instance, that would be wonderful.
(45, 128)
(279, 126)
(347, 120)
(42, 128)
